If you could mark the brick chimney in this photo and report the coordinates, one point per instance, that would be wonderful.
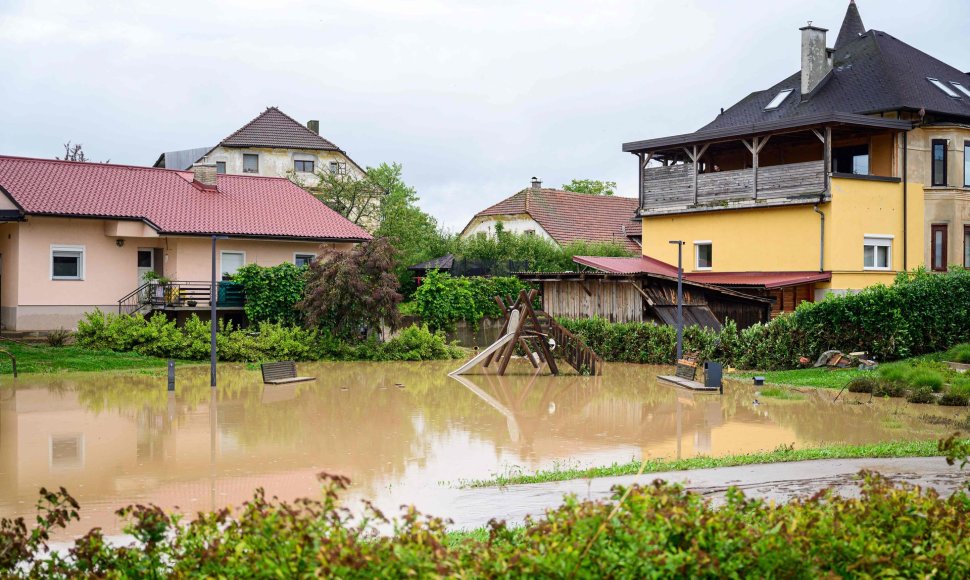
(536, 183)
(313, 125)
(815, 58)
(205, 175)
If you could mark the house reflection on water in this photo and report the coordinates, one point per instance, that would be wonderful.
(123, 439)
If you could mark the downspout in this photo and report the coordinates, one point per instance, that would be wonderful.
(905, 203)
(821, 239)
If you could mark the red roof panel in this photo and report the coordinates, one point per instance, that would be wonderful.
(643, 264)
(648, 265)
(170, 202)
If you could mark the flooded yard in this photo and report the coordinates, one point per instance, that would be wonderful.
(403, 432)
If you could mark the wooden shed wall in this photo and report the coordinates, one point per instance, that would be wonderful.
(613, 300)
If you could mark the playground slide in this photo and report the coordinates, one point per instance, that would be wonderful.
(513, 324)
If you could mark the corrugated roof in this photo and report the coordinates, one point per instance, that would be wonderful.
(181, 159)
(648, 265)
(569, 216)
(170, 202)
(642, 264)
(442, 263)
(275, 129)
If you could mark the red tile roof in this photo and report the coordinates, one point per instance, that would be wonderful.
(170, 202)
(568, 216)
(275, 129)
(646, 264)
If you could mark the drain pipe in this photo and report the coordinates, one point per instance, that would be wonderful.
(905, 202)
(821, 239)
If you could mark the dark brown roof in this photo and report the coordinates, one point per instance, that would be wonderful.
(852, 26)
(568, 216)
(275, 129)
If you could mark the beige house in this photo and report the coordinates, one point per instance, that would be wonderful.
(273, 145)
(79, 236)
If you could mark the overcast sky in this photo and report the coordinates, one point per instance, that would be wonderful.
(473, 98)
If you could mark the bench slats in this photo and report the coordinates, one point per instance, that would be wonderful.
(281, 372)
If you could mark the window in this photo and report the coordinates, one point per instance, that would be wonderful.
(949, 92)
(939, 162)
(966, 246)
(966, 164)
(303, 166)
(250, 163)
(961, 88)
(854, 159)
(530, 232)
(877, 252)
(938, 235)
(338, 167)
(67, 262)
(303, 259)
(231, 262)
(220, 167)
(779, 99)
(703, 256)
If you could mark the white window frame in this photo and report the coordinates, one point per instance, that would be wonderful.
(961, 88)
(878, 240)
(697, 256)
(80, 266)
(780, 98)
(222, 271)
(296, 254)
(946, 90)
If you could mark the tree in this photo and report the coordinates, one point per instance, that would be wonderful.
(357, 199)
(75, 152)
(591, 186)
(350, 291)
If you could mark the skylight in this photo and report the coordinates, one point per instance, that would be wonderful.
(949, 92)
(779, 99)
(961, 88)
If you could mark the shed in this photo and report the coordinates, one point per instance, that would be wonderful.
(644, 297)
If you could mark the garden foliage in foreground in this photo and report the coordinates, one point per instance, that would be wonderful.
(658, 531)
(159, 337)
(921, 313)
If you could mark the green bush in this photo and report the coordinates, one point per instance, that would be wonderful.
(863, 385)
(889, 389)
(272, 292)
(442, 300)
(655, 531)
(924, 377)
(959, 353)
(419, 343)
(921, 395)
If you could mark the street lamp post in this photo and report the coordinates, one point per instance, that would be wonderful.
(213, 317)
(680, 297)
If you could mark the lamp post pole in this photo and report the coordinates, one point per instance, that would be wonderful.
(680, 297)
(213, 299)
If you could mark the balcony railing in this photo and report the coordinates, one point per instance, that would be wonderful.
(668, 189)
(154, 295)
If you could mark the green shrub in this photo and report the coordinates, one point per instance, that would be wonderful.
(863, 385)
(921, 395)
(58, 337)
(442, 300)
(925, 377)
(419, 343)
(954, 400)
(887, 388)
(272, 292)
(895, 372)
(959, 353)
(654, 531)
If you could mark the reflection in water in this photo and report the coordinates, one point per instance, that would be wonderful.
(121, 438)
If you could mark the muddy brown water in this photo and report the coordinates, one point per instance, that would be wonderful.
(403, 432)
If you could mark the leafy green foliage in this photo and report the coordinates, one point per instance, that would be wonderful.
(959, 353)
(654, 531)
(159, 337)
(354, 290)
(591, 186)
(356, 198)
(272, 292)
(442, 300)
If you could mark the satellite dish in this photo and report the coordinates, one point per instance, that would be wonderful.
(552, 344)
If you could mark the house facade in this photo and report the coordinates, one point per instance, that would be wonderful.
(843, 174)
(272, 145)
(79, 236)
(562, 217)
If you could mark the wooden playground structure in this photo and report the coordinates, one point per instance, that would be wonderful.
(538, 335)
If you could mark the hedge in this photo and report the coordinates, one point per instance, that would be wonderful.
(442, 300)
(921, 313)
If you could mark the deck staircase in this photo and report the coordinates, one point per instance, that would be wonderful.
(153, 296)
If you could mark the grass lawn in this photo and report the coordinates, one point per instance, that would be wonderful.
(780, 455)
(40, 358)
(820, 377)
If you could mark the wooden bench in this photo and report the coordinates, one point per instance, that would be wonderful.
(686, 369)
(280, 373)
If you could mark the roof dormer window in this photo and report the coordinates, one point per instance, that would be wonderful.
(779, 99)
(960, 88)
(949, 92)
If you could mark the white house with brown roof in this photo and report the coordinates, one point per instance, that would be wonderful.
(79, 236)
(272, 145)
(562, 216)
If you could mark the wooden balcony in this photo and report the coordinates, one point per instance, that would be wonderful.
(670, 189)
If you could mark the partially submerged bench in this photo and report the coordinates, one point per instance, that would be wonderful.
(281, 373)
(685, 376)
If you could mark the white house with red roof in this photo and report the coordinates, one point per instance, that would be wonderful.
(79, 236)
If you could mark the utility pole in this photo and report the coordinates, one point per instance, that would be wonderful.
(213, 317)
(680, 297)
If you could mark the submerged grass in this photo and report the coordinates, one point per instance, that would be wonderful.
(781, 454)
(821, 377)
(41, 358)
(780, 393)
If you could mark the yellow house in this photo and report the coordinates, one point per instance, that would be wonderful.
(840, 176)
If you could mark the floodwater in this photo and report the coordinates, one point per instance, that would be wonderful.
(403, 432)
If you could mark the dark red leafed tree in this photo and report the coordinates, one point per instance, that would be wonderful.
(350, 292)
